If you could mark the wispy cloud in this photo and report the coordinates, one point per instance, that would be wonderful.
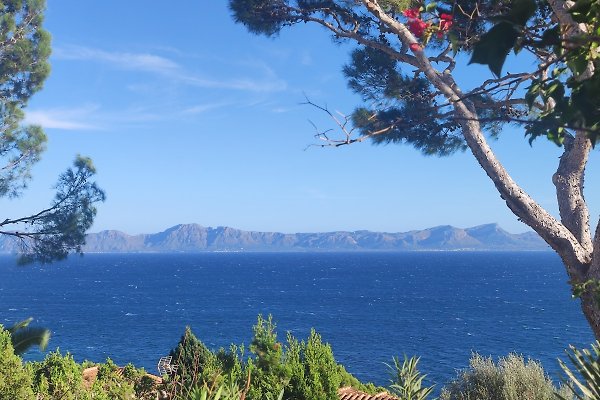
(92, 117)
(268, 81)
(62, 118)
(133, 61)
(202, 108)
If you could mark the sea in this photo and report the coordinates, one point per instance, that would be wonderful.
(440, 306)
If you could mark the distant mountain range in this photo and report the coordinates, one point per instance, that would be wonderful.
(197, 238)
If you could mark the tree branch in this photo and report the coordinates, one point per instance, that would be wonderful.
(569, 179)
(571, 28)
(558, 236)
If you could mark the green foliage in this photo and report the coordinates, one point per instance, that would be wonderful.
(494, 45)
(570, 88)
(397, 6)
(15, 381)
(143, 385)
(314, 374)
(511, 379)
(58, 377)
(269, 374)
(584, 382)
(227, 390)
(296, 370)
(24, 50)
(402, 106)
(409, 115)
(111, 385)
(23, 336)
(265, 17)
(195, 362)
(407, 381)
(52, 233)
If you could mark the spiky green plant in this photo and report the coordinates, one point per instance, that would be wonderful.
(407, 381)
(585, 382)
(229, 390)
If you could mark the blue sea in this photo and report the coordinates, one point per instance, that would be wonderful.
(442, 306)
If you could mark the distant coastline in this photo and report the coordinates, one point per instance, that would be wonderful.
(191, 238)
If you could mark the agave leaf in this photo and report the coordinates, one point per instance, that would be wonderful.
(218, 394)
(586, 383)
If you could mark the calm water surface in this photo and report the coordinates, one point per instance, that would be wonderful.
(369, 306)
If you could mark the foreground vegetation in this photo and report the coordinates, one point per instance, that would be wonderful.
(271, 369)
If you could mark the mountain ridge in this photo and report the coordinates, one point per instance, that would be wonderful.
(198, 238)
(192, 238)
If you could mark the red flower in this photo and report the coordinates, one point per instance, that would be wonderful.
(415, 47)
(412, 13)
(417, 27)
(445, 22)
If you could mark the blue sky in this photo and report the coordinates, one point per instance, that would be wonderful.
(189, 118)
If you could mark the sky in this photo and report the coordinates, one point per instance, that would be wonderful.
(191, 119)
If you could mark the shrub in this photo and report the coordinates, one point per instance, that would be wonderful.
(511, 379)
(227, 390)
(299, 370)
(110, 384)
(143, 385)
(58, 377)
(195, 362)
(269, 375)
(15, 381)
(314, 372)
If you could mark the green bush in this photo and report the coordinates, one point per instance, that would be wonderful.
(195, 362)
(111, 385)
(314, 372)
(300, 370)
(143, 385)
(15, 380)
(58, 377)
(227, 390)
(269, 375)
(511, 379)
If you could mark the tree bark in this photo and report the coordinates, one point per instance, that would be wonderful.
(569, 181)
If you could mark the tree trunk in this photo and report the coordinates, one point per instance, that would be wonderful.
(590, 303)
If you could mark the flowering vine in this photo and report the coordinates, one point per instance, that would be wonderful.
(423, 27)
